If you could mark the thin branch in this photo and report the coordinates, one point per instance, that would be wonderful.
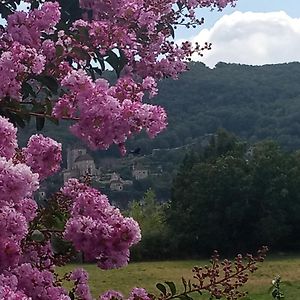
(42, 115)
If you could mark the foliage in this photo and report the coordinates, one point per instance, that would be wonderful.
(151, 218)
(221, 279)
(276, 291)
(254, 102)
(235, 196)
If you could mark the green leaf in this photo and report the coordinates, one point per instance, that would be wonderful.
(37, 236)
(71, 295)
(180, 5)
(38, 108)
(98, 71)
(117, 62)
(184, 284)
(39, 123)
(113, 60)
(82, 54)
(27, 90)
(34, 4)
(162, 288)
(102, 64)
(84, 33)
(171, 29)
(59, 220)
(60, 245)
(48, 81)
(185, 297)
(19, 121)
(48, 105)
(59, 50)
(171, 286)
(5, 11)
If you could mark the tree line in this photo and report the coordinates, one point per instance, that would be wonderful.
(232, 196)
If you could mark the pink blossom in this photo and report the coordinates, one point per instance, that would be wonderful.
(9, 294)
(8, 141)
(38, 284)
(43, 155)
(139, 294)
(17, 182)
(99, 230)
(80, 278)
(111, 295)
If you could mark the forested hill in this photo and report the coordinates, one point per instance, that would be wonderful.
(252, 102)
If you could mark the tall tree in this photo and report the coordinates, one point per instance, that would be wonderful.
(233, 196)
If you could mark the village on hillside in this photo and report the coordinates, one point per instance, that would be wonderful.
(81, 164)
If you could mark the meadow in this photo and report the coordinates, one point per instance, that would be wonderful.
(147, 274)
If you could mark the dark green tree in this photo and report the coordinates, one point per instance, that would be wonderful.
(235, 197)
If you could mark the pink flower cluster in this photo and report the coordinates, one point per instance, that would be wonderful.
(7, 293)
(15, 64)
(39, 255)
(34, 283)
(8, 141)
(135, 294)
(26, 28)
(107, 114)
(18, 182)
(98, 229)
(140, 31)
(21, 48)
(43, 155)
(111, 295)
(82, 290)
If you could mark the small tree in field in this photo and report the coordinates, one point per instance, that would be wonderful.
(52, 57)
(150, 215)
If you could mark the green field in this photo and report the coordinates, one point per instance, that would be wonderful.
(147, 274)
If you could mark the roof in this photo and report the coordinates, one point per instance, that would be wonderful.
(84, 157)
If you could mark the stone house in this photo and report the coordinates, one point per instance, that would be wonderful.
(139, 172)
(79, 164)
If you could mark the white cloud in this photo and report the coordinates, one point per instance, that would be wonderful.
(252, 38)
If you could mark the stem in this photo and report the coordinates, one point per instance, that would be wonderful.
(51, 230)
(206, 287)
(42, 115)
(26, 102)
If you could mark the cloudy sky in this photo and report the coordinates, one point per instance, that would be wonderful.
(255, 32)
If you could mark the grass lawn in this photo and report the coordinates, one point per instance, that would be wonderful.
(147, 274)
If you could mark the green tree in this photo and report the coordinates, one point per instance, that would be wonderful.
(235, 197)
(151, 217)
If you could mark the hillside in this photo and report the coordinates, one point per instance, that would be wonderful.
(252, 102)
(255, 103)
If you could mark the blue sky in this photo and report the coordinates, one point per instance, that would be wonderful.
(254, 32)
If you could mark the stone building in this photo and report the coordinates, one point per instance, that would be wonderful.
(79, 164)
(139, 172)
(116, 183)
